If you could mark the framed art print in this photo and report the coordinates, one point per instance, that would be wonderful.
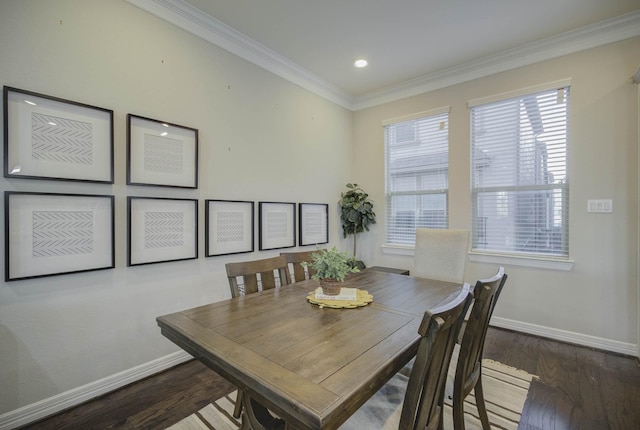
(52, 234)
(277, 223)
(51, 138)
(313, 219)
(161, 153)
(161, 230)
(228, 227)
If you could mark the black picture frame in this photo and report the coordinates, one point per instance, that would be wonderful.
(277, 225)
(313, 219)
(47, 137)
(49, 234)
(161, 230)
(160, 153)
(229, 227)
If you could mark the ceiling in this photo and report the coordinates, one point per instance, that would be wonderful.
(411, 45)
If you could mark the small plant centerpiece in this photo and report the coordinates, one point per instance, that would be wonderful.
(356, 212)
(331, 266)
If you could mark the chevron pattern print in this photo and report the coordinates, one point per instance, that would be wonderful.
(62, 233)
(61, 140)
(163, 154)
(229, 227)
(163, 230)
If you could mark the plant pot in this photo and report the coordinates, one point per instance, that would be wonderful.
(330, 286)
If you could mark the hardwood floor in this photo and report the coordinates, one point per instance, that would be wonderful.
(152, 403)
(578, 388)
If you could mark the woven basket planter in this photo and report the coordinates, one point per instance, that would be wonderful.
(330, 286)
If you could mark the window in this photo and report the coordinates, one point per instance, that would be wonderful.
(520, 191)
(416, 168)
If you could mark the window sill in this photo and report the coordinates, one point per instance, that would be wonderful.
(512, 260)
(398, 250)
(477, 257)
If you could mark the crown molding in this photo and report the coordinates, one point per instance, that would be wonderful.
(200, 24)
(196, 22)
(599, 34)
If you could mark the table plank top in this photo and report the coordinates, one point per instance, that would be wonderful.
(312, 366)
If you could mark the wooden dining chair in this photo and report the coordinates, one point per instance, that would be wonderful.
(441, 254)
(296, 259)
(468, 375)
(248, 272)
(423, 403)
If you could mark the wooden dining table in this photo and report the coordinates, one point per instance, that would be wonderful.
(312, 366)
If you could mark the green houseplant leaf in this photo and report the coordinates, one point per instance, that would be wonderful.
(331, 264)
(356, 212)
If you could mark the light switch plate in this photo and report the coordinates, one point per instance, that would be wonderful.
(600, 206)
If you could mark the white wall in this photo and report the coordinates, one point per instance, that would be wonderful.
(261, 139)
(596, 302)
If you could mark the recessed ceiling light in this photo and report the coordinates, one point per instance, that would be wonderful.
(360, 63)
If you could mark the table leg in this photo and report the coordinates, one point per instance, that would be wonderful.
(257, 417)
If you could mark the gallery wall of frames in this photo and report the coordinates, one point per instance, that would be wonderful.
(46, 234)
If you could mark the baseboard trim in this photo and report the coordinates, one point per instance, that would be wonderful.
(68, 399)
(567, 336)
(52, 405)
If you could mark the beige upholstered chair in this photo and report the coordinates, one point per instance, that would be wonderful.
(422, 406)
(468, 376)
(440, 254)
(248, 271)
(295, 259)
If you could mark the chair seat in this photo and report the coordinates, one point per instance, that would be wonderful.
(383, 410)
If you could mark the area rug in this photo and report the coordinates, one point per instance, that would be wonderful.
(505, 390)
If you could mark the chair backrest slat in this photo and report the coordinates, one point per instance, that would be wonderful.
(424, 398)
(249, 270)
(295, 259)
(485, 293)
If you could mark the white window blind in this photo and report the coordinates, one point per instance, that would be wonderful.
(520, 189)
(417, 182)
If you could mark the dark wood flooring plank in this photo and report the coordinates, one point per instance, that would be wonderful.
(539, 410)
(578, 389)
(151, 404)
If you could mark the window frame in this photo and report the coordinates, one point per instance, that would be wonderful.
(537, 260)
(418, 194)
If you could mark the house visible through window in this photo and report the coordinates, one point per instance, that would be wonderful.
(520, 191)
(417, 182)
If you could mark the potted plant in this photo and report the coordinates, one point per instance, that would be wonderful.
(356, 212)
(331, 266)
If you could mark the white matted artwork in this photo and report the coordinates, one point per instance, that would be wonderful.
(161, 153)
(161, 230)
(313, 219)
(277, 225)
(228, 227)
(53, 234)
(51, 138)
